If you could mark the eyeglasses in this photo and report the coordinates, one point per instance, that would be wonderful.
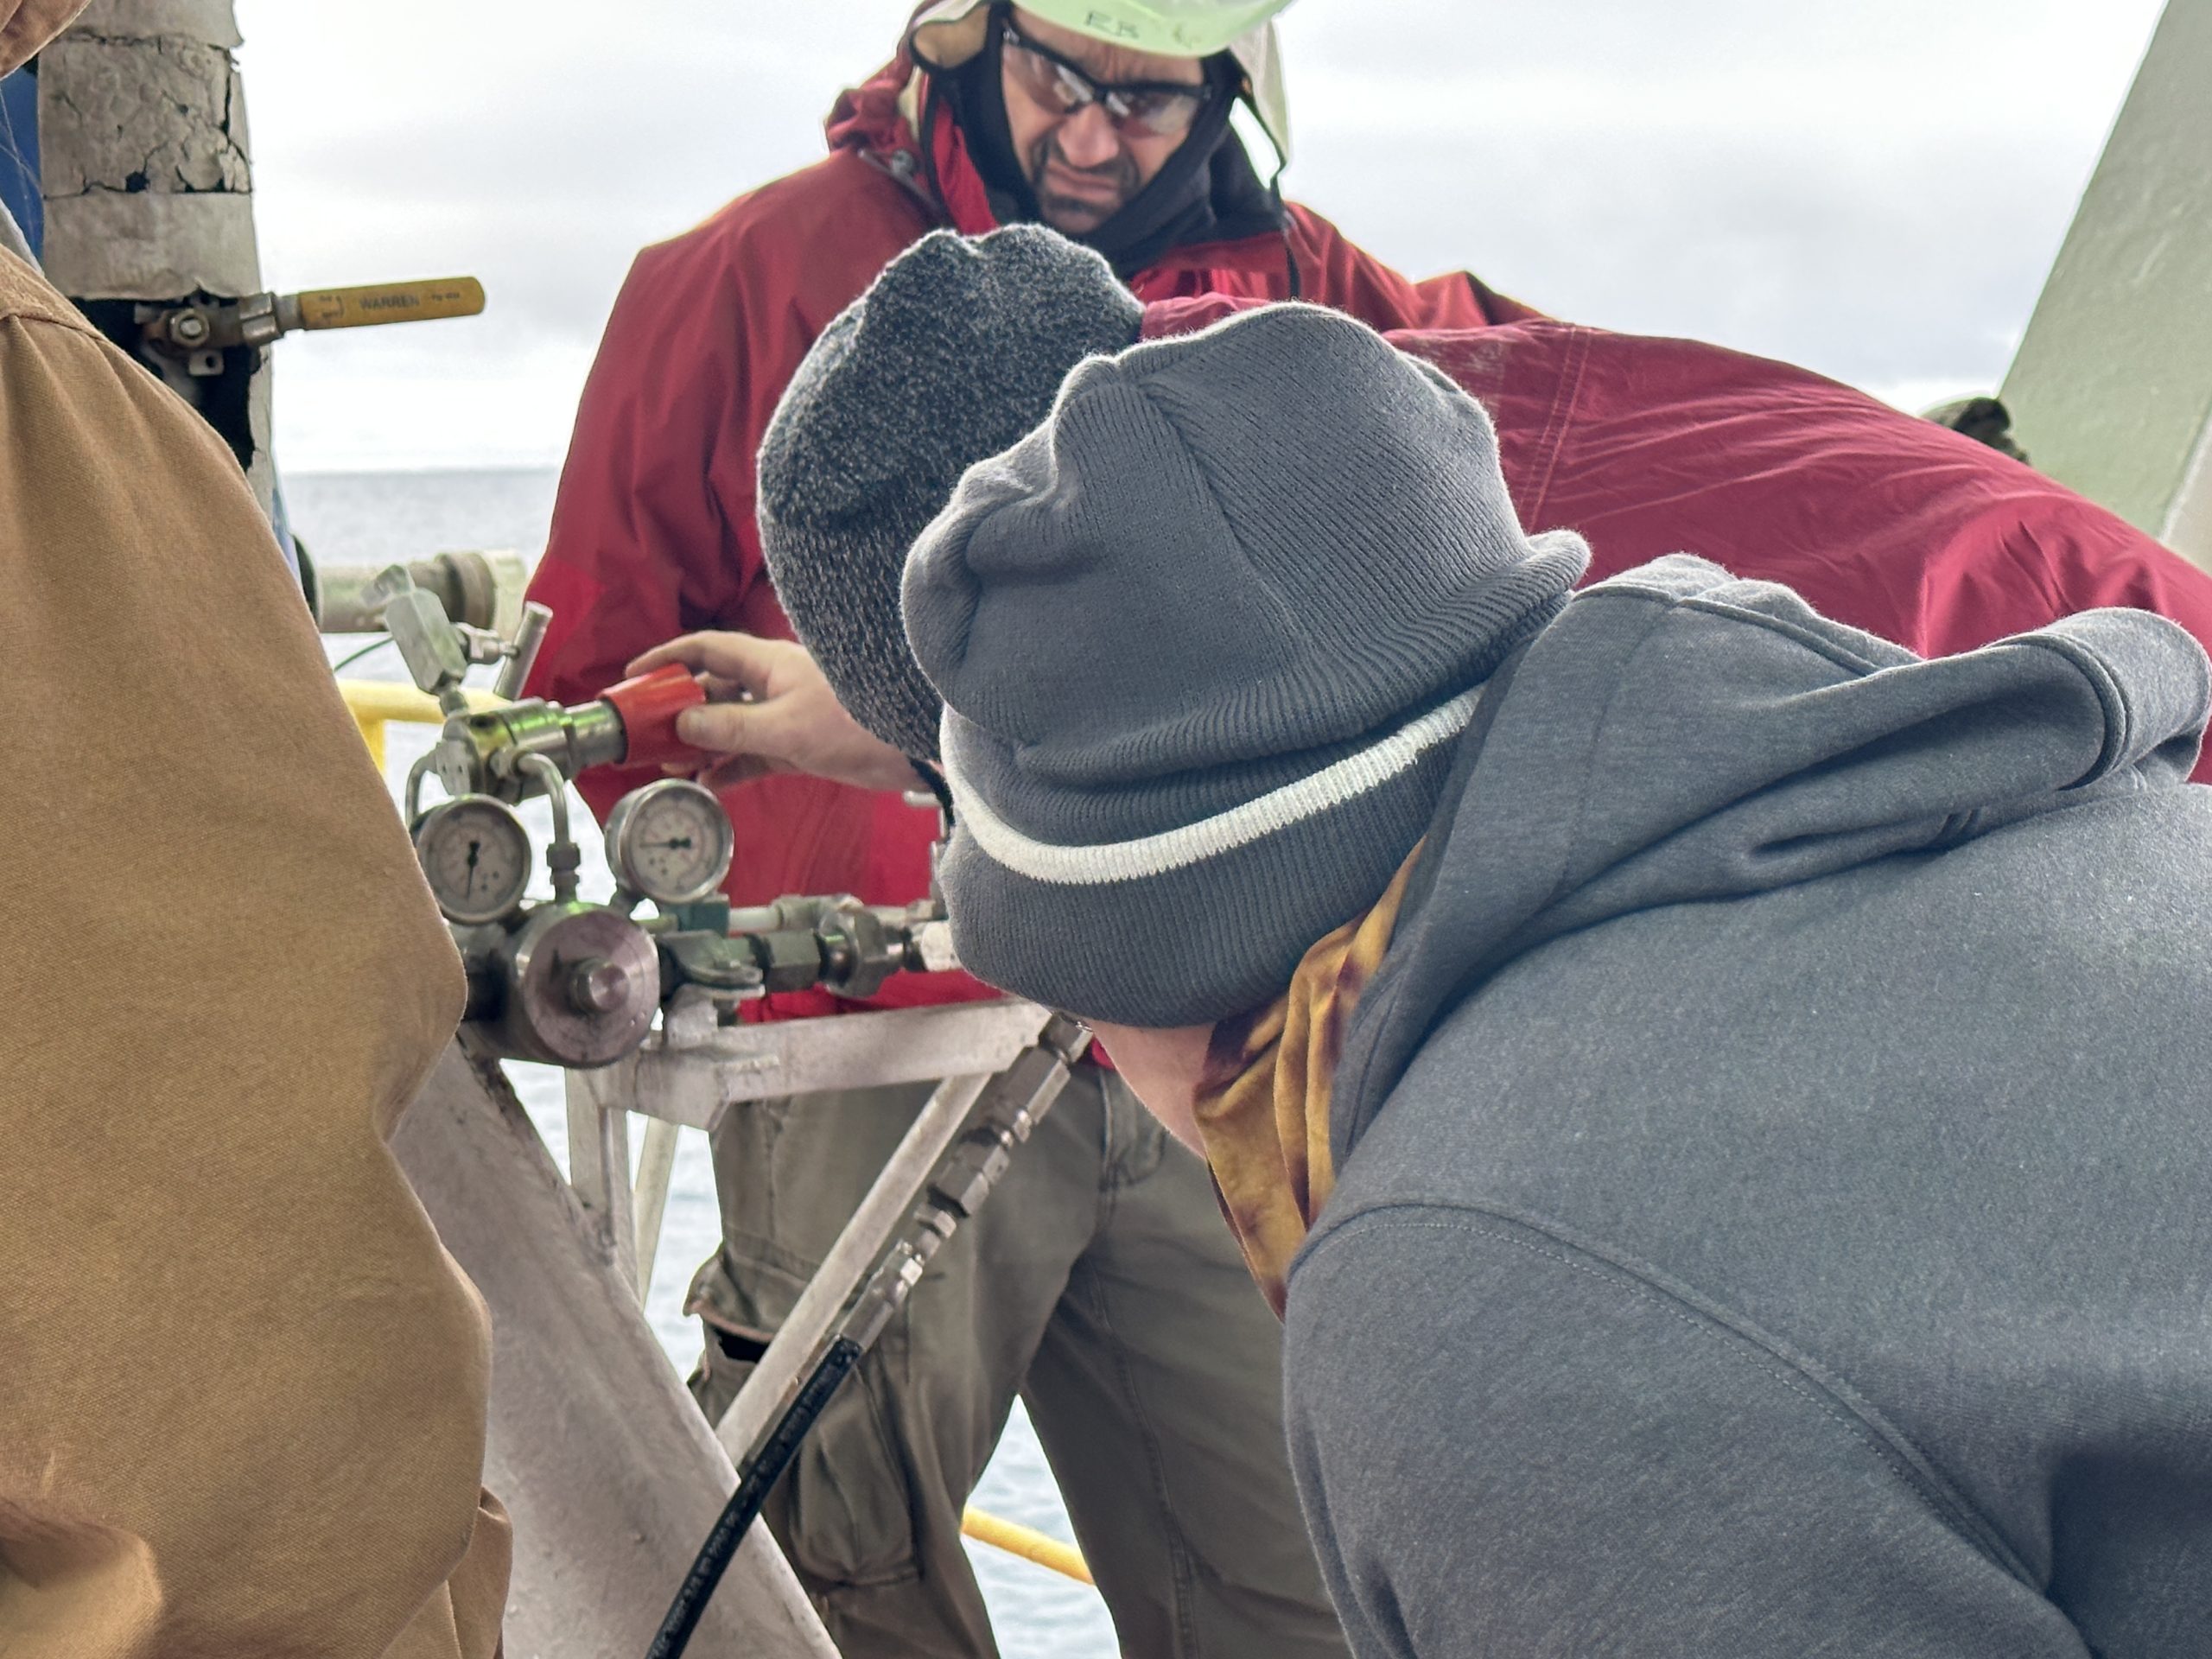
(1158, 109)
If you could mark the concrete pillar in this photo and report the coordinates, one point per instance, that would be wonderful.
(148, 185)
(2112, 390)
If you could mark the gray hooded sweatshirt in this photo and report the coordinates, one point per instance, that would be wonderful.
(1775, 1203)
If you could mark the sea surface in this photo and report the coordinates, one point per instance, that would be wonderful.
(383, 517)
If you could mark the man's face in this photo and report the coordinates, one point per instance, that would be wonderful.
(1081, 164)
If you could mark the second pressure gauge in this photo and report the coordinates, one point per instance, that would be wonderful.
(670, 840)
(477, 855)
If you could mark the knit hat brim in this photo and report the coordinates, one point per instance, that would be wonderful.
(1193, 926)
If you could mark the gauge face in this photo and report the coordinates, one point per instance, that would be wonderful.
(477, 855)
(670, 840)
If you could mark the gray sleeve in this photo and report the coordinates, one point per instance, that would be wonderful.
(1509, 1447)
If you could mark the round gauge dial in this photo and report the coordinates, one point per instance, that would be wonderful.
(477, 855)
(670, 840)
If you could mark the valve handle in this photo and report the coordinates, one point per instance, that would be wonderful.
(647, 706)
(381, 302)
(522, 649)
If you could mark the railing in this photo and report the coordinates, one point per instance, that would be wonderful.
(375, 704)
(1031, 1545)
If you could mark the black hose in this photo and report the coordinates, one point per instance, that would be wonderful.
(754, 1483)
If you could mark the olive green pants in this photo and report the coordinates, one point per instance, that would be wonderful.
(1101, 1284)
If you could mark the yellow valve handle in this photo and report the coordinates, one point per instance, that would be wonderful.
(382, 302)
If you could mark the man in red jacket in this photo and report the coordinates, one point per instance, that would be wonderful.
(1643, 446)
(1158, 1406)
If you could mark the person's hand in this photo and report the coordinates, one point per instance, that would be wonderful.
(769, 709)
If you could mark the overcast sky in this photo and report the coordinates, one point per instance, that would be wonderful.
(1872, 188)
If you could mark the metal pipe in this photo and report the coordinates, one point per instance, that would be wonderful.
(598, 1174)
(530, 634)
(802, 1333)
(1005, 1112)
(562, 859)
(656, 1164)
(1027, 1542)
(757, 919)
(483, 589)
(413, 797)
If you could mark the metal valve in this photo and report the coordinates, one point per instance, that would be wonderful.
(198, 332)
(484, 753)
(438, 651)
(576, 984)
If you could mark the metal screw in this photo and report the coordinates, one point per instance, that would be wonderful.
(187, 327)
(598, 985)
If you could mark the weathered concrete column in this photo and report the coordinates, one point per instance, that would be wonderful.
(2112, 390)
(148, 185)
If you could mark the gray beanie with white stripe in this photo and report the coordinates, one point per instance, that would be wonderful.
(1204, 639)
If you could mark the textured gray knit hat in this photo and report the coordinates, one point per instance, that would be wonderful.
(956, 351)
(1206, 639)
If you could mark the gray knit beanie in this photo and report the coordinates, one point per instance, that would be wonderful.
(1206, 639)
(955, 353)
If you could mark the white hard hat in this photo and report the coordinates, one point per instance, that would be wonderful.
(1174, 29)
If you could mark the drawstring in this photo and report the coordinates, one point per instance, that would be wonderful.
(926, 142)
(1289, 247)
(933, 777)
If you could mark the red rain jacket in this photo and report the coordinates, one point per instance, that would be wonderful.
(1879, 519)
(654, 531)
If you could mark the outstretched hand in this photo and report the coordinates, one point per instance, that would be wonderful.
(769, 709)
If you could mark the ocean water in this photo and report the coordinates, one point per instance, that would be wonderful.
(383, 517)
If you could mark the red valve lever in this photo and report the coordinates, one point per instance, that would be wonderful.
(648, 706)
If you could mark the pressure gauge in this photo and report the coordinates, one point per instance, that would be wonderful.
(670, 840)
(477, 855)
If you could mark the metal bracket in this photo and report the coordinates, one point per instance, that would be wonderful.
(697, 1084)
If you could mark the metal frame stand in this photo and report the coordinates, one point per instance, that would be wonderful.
(611, 1471)
(691, 1074)
(993, 1062)
(692, 1077)
(832, 1328)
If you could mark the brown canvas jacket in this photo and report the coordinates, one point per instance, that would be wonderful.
(242, 1386)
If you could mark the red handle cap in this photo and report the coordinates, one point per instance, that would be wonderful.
(648, 706)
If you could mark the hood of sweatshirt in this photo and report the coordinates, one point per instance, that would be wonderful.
(1679, 736)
